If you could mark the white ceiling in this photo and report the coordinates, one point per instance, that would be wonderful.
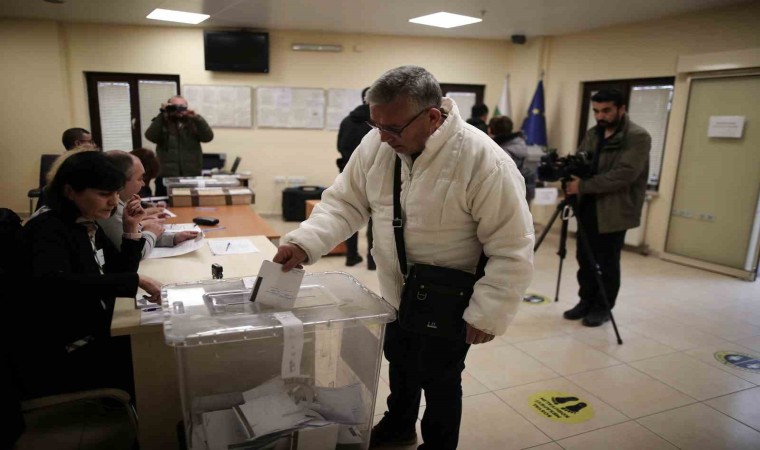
(502, 17)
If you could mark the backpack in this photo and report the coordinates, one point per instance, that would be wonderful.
(10, 234)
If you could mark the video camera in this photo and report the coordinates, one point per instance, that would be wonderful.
(554, 167)
(175, 109)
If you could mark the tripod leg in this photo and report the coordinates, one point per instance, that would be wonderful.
(597, 274)
(562, 252)
(559, 209)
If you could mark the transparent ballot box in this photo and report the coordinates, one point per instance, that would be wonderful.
(202, 182)
(256, 377)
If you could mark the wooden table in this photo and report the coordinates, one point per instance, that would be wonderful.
(237, 220)
(154, 363)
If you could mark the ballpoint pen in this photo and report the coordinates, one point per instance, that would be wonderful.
(228, 246)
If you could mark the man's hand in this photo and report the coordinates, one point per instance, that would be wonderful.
(154, 226)
(290, 256)
(475, 336)
(573, 187)
(183, 236)
(189, 113)
(133, 214)
(151, 286)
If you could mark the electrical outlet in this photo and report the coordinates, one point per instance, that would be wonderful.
(297, 180)
(280, 179)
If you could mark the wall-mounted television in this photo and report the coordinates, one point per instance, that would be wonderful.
(236, 51)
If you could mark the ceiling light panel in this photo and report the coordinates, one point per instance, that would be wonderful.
(445, 20)
(169, 15)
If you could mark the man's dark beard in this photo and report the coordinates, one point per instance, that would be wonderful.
(606, 124)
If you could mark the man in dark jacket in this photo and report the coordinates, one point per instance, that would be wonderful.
(351, 132)
(178, 132)
(478, 117)
(610, 201)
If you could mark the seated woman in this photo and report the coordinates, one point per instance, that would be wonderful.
(83, 273)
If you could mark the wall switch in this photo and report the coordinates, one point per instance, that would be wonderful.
(280, 179)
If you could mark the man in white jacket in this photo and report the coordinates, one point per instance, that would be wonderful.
(461, 195)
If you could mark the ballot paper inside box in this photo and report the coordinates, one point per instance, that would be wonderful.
(236, 359)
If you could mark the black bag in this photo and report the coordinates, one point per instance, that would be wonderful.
(433, 298)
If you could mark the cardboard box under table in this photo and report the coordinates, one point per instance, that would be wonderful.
(252, 376)
(213, 196)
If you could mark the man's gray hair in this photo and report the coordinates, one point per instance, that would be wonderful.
(124, 161)
(413, 82)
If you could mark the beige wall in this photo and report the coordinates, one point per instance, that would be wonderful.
(34, 105)
(265, 153)
(637, 51)
(47, 90)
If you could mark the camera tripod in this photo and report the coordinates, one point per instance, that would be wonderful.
(568, 208)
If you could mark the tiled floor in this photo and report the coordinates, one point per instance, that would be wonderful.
(662, 389)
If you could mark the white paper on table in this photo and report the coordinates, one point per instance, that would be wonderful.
(177, 227)
(169, 213)
(188, 296)
(231, 246)
(188, 246)
(278, 288)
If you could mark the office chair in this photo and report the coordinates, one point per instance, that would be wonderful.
(84, 420)
(46, 161)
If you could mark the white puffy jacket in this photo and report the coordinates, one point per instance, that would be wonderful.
(463, 194)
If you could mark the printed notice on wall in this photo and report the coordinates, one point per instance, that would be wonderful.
(726, 127)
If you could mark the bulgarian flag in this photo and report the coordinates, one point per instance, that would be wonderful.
(502, 108)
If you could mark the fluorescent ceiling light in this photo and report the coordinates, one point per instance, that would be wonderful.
(445, 20)
(177, 16)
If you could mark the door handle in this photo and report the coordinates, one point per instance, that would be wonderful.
(134, 122)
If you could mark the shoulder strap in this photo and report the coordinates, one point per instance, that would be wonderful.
(398, 221)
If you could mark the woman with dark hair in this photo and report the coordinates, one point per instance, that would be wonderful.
(500, 129)
(83, 273)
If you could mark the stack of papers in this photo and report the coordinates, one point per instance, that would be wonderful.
(263, 415)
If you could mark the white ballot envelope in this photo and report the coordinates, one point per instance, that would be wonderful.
(277, 288)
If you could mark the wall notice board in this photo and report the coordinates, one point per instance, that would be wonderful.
(221, 106)
(283, 107)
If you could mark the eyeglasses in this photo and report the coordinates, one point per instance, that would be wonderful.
(392, 131)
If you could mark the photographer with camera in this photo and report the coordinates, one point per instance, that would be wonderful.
(610, 199)
(178, 132)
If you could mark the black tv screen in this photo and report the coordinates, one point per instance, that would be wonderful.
(237, 51)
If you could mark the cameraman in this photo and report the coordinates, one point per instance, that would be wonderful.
(610, 200)
(178, 132)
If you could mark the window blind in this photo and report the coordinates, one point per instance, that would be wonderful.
(115, 115)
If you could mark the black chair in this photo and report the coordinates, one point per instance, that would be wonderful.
(46, 162)
(214, 160)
